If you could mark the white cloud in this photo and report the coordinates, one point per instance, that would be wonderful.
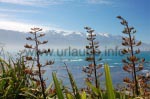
(3, 15)
(35, 2)
(17, 10)
(18, 26)
(44, 3)
(99, 1)
(21, 2)
(24, 27)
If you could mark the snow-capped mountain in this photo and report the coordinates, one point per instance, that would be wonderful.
(62, 39)
(104, 34)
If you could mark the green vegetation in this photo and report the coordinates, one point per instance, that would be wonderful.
(109, 85)
(22, 78)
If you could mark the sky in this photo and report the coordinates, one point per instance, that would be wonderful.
(74, 15)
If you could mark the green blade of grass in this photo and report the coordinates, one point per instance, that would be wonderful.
(69, 96)
(48, 88)
(83, 95)
(73, 84)
(109, 85)
(30, 94)
(96, 91)
(57, 86)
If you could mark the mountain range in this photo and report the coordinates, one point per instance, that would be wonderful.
(14, 40)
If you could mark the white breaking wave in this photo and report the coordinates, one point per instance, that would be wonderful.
(112, 66)
(117, 63)
(73, 60)
(76, 60)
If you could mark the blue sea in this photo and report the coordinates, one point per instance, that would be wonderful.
(76, 63)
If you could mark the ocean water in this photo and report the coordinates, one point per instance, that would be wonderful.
(76, 63)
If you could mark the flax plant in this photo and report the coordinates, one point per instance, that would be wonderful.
(36, 39)
(132, 64)
(92, 51)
